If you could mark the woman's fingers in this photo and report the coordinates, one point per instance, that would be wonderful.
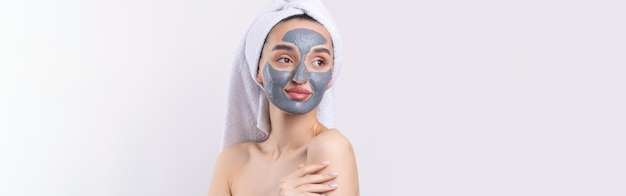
(306, 181)
(317, 188)
(310, 189)
(315, 179)
(308, 169)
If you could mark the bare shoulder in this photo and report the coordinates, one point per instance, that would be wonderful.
(235, 150)
(332, 146)
(230, 159)
(331, 140)
(234, 156)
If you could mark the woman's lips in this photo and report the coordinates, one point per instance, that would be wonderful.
(298, 93)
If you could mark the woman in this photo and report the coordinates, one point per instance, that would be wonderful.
(277, 144)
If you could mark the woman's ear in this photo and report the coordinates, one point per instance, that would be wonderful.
(330, 84)
(259, 78)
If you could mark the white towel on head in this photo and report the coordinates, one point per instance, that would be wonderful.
(247, 115)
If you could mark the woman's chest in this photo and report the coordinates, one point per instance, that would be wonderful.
(262, 178)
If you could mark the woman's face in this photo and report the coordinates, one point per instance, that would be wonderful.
(295, 68)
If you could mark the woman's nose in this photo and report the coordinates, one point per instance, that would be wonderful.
(301, 74)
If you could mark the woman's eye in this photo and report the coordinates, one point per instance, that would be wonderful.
(284, 60)
(318, 63)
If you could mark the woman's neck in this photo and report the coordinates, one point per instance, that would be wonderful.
(290, 132)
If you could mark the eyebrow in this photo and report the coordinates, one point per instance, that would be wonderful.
(319, 50)
(283, 47)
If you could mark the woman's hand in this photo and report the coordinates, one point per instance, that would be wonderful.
(305, 181)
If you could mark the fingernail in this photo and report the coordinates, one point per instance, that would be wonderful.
(325, 163)
(333, 174)
(332, 185)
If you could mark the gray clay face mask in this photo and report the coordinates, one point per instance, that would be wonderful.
(275, 80)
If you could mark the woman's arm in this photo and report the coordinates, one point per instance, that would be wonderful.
(222, 173)
(332, 146)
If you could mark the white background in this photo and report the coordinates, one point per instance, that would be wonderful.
(481, 98)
